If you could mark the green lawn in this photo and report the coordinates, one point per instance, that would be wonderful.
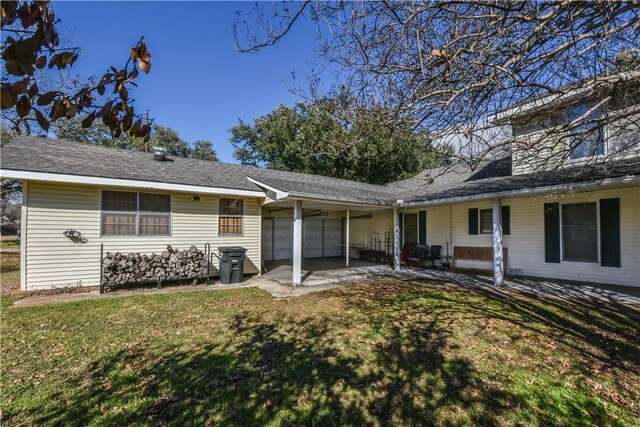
(9, 242)
(9, 274)
(385, 353)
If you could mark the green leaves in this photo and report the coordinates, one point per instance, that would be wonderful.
(334, 137)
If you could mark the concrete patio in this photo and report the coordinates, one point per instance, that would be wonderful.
(323, 271)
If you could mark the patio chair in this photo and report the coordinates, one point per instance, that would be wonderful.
(435, 255)
(419, 256)
(405, 253)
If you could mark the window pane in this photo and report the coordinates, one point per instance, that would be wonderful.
(580, 232)
(586, 139)
(486, 221)
(119, 201)
(230, 225)
(155, 225)
(231, 207)
(155, 202)
(118, 224)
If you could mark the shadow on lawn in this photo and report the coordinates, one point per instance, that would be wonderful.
(298, 371)
(294, 372)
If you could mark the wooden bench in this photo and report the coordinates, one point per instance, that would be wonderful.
(476, 253)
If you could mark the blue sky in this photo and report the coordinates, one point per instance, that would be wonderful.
(199, 83)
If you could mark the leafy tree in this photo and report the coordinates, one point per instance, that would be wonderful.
(96, 134)
(99, 134)
(333, 137)
(167, 137)
(31, 43)
(203, 150)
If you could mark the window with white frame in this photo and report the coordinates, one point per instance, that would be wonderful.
(580, 232)
(486, 221)
(587, 138)
(127, 213)
(230, 216)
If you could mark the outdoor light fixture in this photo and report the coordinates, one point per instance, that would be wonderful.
(159, 153)
(196, 198)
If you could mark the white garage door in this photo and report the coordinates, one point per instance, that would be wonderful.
(267, 239)
(282, 238)
(320, 238)
(312, 237)
(332, 237)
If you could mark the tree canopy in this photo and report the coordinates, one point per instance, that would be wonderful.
(99, 134)
(318, 138)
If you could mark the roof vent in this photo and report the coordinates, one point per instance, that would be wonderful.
(159, 153)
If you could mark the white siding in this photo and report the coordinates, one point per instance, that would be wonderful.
(53, 260)
(376, 226)
(526, 242)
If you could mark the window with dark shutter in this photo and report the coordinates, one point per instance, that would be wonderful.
(580, 232)
(486, 221)
(610, 232)
(552, 232)
(473, 221)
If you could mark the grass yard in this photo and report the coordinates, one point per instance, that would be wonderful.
(9, 242)
(385, 353)
(9, 274)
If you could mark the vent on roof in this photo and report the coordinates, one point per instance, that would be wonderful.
(159, 153)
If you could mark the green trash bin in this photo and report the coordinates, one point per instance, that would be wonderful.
(231, 264)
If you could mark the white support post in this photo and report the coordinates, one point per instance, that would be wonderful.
(396, 240)
(346, 246)
(297, 242)
(24, 235)
(498, 262)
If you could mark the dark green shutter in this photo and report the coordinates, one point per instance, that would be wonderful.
(552, 232)
(610, 232)
(473, 221)
(506, 220)
(422, 227)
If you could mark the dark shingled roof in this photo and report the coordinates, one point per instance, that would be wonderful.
(36, 154)
(445, 178)
(495, 177)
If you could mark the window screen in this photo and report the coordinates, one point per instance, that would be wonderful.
(230, 217)
(580, 232)
(130, 213)
(486, 221)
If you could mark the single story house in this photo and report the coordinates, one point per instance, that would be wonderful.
(573, 222)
